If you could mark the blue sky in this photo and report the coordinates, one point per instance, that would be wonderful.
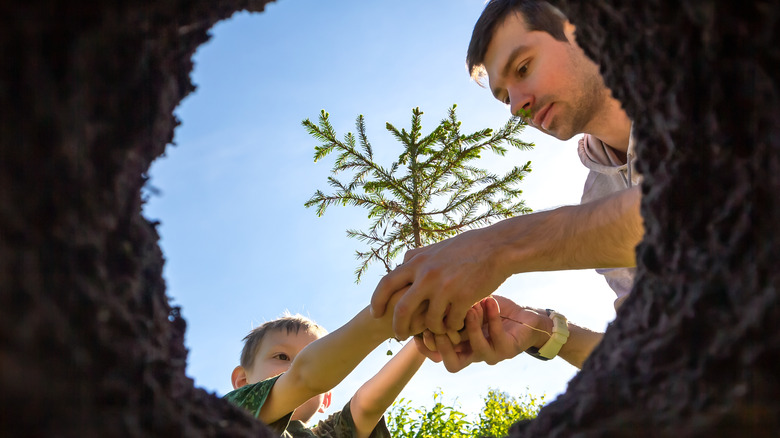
(240, 247)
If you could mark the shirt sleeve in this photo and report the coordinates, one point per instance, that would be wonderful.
(252, 397)
(341, 425)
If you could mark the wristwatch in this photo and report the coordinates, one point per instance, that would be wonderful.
(560, 335)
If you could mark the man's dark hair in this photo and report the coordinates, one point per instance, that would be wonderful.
(538, 15)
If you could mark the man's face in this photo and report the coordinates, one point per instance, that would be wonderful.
(551, 82)
(277, 351)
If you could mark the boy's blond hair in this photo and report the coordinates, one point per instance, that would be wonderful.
(290, 323)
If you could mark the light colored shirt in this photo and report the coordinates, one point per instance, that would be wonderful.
(609, 174)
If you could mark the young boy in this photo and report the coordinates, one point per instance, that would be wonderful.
(289, 365)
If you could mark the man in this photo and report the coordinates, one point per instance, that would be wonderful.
(528, 53)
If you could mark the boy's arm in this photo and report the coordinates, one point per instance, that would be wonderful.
(376, 395)
(324, 363)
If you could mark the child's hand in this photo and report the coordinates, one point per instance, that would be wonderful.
(494, 333)
(457, 341)
(455, 337)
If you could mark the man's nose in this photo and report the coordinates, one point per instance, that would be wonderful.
(520, 103)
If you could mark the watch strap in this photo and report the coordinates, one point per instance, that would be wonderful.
(560, 335)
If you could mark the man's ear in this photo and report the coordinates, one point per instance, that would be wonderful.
(238, 377)
(568, 30)
(325, 402)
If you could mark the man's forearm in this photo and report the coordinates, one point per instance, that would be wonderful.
(599, 234)
(580, 344)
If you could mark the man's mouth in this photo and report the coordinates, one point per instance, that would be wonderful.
(541, 117)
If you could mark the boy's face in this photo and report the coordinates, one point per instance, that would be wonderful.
(277, 351)
(553, 81)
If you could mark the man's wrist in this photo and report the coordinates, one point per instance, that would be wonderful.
(544, 326)
(558, 336)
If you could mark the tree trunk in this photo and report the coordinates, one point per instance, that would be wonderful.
(695, 350)
(89, 345)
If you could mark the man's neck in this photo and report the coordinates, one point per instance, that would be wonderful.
(613, 126)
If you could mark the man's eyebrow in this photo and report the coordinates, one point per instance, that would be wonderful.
(516, 53)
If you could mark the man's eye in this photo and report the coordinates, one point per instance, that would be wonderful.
(522, 70)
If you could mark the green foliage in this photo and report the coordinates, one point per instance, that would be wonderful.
(499, 412)
(430, 193)
(404, 421)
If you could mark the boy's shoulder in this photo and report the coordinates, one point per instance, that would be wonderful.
(338, 425)
(251, 397)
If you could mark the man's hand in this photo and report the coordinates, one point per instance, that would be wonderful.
(444, 280)
(495, 330)
(386, 320)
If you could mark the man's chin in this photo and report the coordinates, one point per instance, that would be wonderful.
(551, 133)
(558, 133)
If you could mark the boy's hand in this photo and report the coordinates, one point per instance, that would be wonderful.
(494, 330)
(428, 338)
(426, 341)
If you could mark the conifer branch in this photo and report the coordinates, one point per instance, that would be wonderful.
(438, 192)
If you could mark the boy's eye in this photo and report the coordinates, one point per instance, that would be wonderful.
(282, 356)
